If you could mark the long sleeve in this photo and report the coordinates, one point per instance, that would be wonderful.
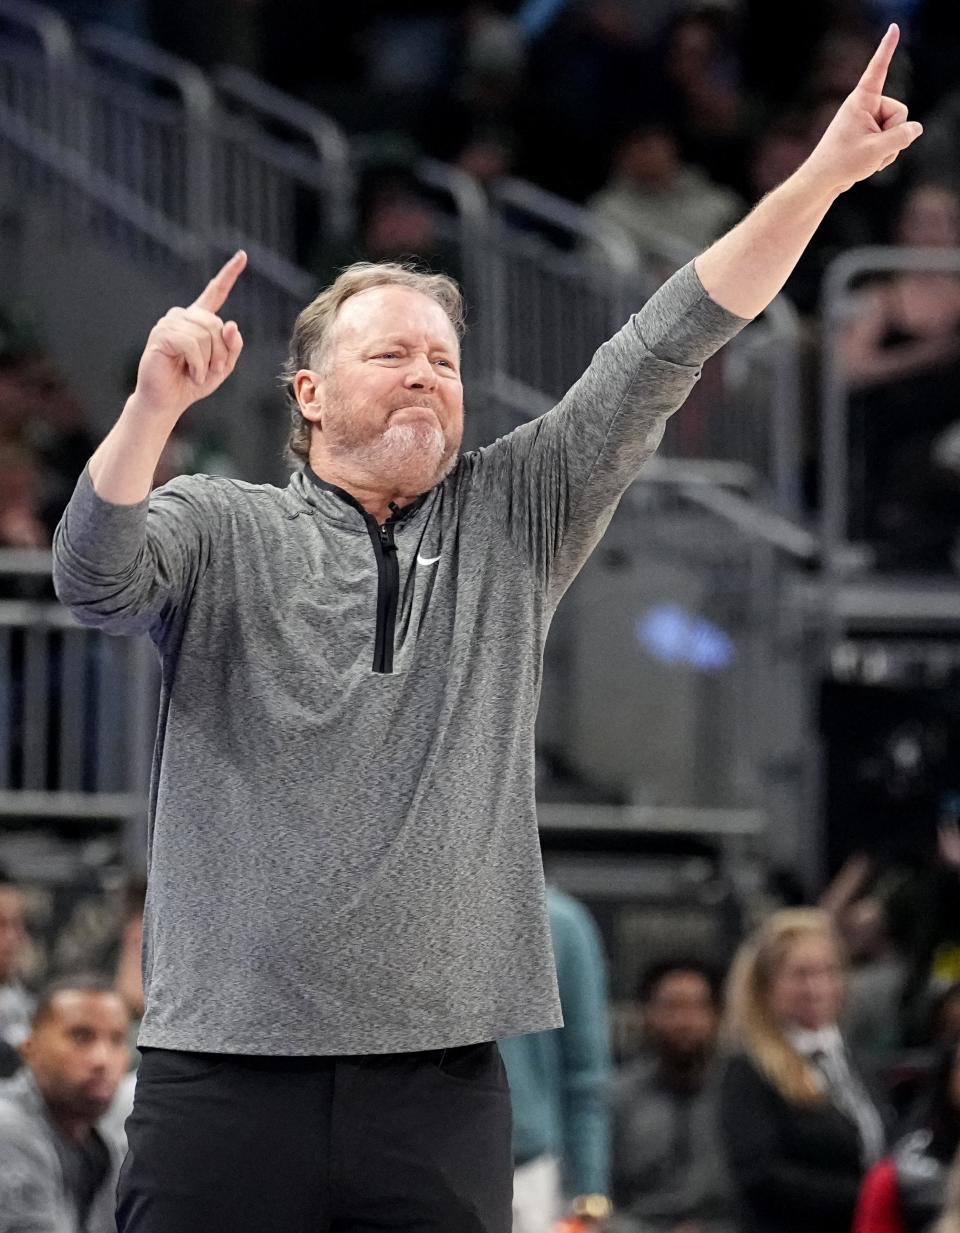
(585, 1049)
(29, 1198)
(127, 569)
(773, 1181)
(558, 478)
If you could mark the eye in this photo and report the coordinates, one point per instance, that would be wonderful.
(449, 363)
(387, 355)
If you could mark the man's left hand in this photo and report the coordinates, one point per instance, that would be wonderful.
(868, 132)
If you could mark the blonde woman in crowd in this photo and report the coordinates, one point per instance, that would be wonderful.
(800, 1125)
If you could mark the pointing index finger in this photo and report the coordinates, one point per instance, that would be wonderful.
(214, 295)
(875, 74)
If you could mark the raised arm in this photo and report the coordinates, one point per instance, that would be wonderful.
(746, 268)
(119, 562)
(190, 352)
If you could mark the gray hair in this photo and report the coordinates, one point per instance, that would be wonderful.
(310, 340)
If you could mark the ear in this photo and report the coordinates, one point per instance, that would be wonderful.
(307, 386)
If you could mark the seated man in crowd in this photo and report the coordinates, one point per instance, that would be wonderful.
(15, 1003)
(58, 1165)
(668, 1173)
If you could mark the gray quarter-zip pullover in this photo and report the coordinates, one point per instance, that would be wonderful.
(343, 849)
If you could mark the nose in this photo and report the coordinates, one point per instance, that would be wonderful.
(99, 1056)
(420, 374)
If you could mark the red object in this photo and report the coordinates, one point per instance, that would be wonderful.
(878, 1209)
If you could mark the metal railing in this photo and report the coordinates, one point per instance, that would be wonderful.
(747, 407)
(77, 707)
(837, 307)
(36, 51)
(167, 163)
(165, 160)
(282, 189)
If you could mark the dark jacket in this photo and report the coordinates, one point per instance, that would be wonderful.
(797, 1169)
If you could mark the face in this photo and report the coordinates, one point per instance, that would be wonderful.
(649, 157)
(388, 404)
(807, 990)
(13, 933)
(930, 217)
(79, 1053)
(680, 1019)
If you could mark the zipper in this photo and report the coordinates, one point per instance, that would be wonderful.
(388, 591)
(388, 568)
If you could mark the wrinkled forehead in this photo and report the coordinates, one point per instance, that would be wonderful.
(392, 312)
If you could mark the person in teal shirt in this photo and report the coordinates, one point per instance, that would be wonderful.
(560, 1080)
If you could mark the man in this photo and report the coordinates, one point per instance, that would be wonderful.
(653, 193)
(667, 1159)
(346, 894)
(559, 1083)
(16, 1004)
(58, 1164)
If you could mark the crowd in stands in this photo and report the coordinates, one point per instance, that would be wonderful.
(813, 1084)
(670, 119)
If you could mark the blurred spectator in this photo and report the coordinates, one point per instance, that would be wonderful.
(698, 86)
(878, 972)
(21, 525)
(941, 139)
(39, 413)
(585, 82)
(901, 350)
(668, 1170)
(931, 1003)
(800, 1126)
(16, 1005)
(477, 126)
(58, 1169)
(842, 55)
(559, 1081)
(906, 1192)
(945, 1015)
(399, 224)
(487, 159)
(878, 976)
(654, 196)
(396, 220)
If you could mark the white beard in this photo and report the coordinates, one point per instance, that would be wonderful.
(410, 455)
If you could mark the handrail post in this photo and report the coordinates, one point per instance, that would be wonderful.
(198, 103)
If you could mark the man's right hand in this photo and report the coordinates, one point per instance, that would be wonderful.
(190, 351)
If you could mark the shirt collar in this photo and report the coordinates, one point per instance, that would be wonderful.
(809, 1041)
(311, 488)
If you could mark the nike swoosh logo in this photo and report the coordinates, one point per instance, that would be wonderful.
(426, 560)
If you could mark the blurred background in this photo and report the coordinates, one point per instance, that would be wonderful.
(754, 686)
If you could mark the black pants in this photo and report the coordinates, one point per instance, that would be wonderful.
(223, 1143)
